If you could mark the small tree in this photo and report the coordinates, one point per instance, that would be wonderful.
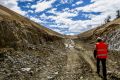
(107, 19)
(118, 14)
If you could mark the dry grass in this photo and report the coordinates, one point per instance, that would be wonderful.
(11, 15)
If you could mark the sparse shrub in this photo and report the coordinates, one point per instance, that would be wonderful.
(107, 19)
(118, 14)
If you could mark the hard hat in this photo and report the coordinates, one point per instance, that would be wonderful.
(99, 38)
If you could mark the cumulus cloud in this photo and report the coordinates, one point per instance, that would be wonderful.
(13, 5)
(36, 19)
(26, 0)
(43, 5)
(77, 3)
(106, 8)
(63, 19)
(57, 30)
(30, 11)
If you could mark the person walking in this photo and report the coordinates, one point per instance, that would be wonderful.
(100, 53)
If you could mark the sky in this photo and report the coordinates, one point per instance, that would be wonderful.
(68, 17)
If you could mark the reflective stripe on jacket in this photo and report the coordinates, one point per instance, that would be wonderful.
(101, 49)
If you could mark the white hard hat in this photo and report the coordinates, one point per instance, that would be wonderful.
(99, 38)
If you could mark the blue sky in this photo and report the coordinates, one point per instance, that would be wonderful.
(65, 16)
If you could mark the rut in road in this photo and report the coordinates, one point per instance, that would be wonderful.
(78, 66)
(75, 50)
(79, 63)
(86, 55)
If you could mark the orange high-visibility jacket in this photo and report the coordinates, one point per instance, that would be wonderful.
(102, 50)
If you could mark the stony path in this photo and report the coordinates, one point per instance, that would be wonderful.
(73, 55)
(84, 54)
(72, 60)
(78, 65)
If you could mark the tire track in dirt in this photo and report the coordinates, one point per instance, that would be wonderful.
(84, 53)
(77, 64)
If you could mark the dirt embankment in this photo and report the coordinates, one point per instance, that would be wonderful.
(113, 64)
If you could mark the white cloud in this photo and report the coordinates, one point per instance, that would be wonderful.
(31, 11)
(41, 6)
(26, 0)
(70, 34)
(63, 20)
(79, 2)
(36, 19)
(106, 7)
(66, 13)
(43, 16)
(57, 30)
(13, 5)
(67, 23)
(73, 5)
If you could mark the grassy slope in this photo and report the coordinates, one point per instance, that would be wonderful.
(15, 16)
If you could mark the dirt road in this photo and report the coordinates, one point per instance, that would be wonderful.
(79, 65)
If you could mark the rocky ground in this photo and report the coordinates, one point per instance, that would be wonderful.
(40, 64)
(113, 64)
(45, 63)
(50, 63)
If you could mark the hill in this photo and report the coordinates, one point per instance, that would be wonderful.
(27, 48)
(16, 30)
(110, 34)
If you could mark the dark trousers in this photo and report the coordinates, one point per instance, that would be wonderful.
(103, 61)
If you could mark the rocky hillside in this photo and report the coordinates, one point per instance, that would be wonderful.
(110, 33)
(28, 51)
(17, 31)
